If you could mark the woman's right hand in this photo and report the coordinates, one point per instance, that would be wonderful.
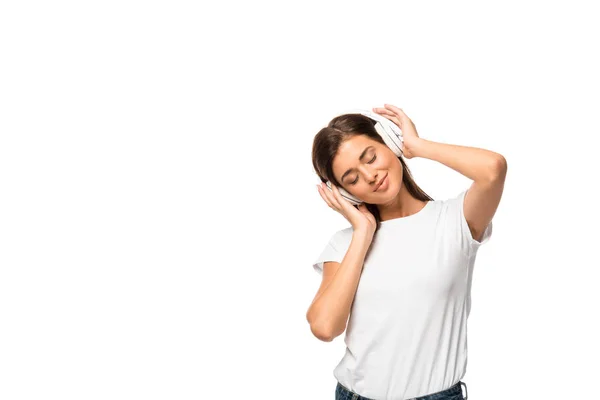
(360, 218)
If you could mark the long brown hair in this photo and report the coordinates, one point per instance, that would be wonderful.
(328, 141)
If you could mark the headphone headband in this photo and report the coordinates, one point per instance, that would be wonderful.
(388, 130)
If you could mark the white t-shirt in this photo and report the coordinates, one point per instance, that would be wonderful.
(407, 332)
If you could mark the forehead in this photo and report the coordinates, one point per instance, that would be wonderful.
(349, 151)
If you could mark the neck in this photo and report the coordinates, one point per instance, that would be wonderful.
(402, 206)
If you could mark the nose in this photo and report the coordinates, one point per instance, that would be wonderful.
(370, 174)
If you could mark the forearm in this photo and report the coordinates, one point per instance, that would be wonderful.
(474, 163)
(329, 313)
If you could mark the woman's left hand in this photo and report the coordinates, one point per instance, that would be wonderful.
(410, 137)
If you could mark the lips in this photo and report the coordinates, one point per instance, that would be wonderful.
(380, 182)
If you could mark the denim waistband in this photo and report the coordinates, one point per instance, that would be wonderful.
(442, 395)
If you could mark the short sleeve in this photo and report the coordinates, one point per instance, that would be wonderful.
(329, 253)
(468, 243)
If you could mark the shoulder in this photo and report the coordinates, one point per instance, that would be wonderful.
(453, 202)
(342, 237)
(447, 209)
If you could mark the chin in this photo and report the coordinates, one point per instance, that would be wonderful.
(393, 190)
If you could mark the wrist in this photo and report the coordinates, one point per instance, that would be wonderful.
(362, 234)
(415, 146)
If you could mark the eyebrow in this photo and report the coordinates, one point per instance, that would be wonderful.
(359, 158)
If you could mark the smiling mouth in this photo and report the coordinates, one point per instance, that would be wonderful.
(380, 182)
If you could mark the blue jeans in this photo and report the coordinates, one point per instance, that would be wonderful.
(453, 393)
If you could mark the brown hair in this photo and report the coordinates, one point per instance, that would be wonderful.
(328, 141)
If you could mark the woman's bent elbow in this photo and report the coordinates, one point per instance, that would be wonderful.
(321, 334)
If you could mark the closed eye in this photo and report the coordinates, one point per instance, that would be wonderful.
(370, 162)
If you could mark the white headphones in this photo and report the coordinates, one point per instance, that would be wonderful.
(391, 135)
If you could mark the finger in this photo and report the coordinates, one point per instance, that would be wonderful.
(384, 111)
(337, 196)
(324, 196)
(396, 120)
(380, 110)
(331, 199)
(392, 117)
(386, 114)
(395, 109)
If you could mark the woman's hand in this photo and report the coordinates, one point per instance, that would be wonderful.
(360, 218)
(410, 137)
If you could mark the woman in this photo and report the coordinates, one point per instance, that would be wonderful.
(400, 275)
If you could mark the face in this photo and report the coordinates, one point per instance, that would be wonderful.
(360, 176)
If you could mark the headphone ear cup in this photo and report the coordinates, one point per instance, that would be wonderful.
(393, 141)
(351, 199)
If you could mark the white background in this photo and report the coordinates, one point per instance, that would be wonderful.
(159, 215)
